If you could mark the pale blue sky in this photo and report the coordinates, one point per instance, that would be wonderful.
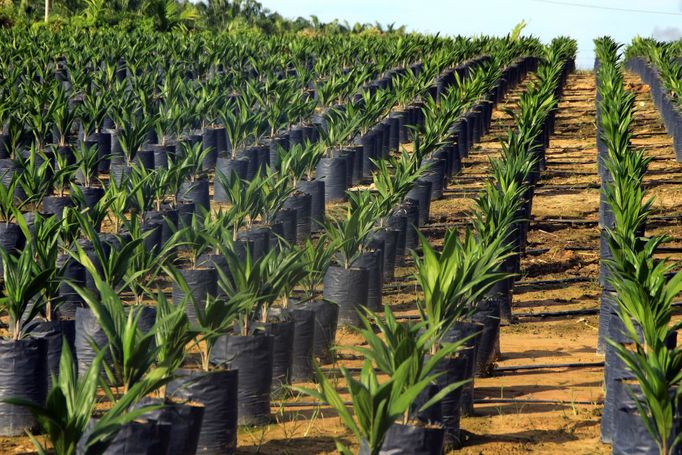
(546, 18)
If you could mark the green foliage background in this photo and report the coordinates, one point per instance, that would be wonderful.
(167, 15)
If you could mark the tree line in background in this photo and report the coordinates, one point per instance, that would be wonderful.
(166, 15)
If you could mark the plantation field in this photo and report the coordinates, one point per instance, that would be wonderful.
(318, 241)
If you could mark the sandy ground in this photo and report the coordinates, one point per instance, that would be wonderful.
(570, 422)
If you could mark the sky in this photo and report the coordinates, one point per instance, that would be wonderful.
(580, 19)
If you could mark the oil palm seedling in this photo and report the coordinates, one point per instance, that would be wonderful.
(496, 211)
(167, 121)
(109, 259)
(15, 137)
(39, 113)
(333, 167)
(36, 177)
(496, 216)
(278, 273)
(239, 120)
(116, 193)
(625, 196)
(318, 255)
(247, 275)
(277, 104)
(397, 344)
(194, 187)
(221, 348)
(131, 352)
(95, 205)
(246, 202)
(196, 239)
(317, 258)
(307, 199)
(133, 132)
(285, 270)
(452, 282)
(87, 159)
(167, 182)
(23, 359)
(299, 162)
(346, 284)
(275, 190)
(146, 266)
(377, 403)
(65, 417)
(172, 333)
(250, 351)
(143, 193)
(394, 177)
(453, 279)
(23, 280)
(382, 237)
(63, 175)
(61, 183)
(214, 318)
(43, 238)
(644, 298)
(63, 117)
(92, 112)
(198, 270)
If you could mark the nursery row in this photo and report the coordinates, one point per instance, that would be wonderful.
(637, 334)
(659, 66)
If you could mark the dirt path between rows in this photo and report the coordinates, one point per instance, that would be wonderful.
(567, 192)
(524, 426)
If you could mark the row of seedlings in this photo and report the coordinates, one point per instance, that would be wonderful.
(523, 150)
(660, 67)
(449, 299)
(642, 360)
(621, 170)
(615, 107)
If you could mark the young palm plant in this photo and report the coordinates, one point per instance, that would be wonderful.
(377, 403)
(345, 284)
(644, 297)
(87, 160)
(391, 343)
(453, 279)
(215, 317)
(71, 403)
(23, 280)
(132, 352)
(44, 240)
(36, 178)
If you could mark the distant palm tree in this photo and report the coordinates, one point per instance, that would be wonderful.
(315, 22)
(219, 13)
(171, 15)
